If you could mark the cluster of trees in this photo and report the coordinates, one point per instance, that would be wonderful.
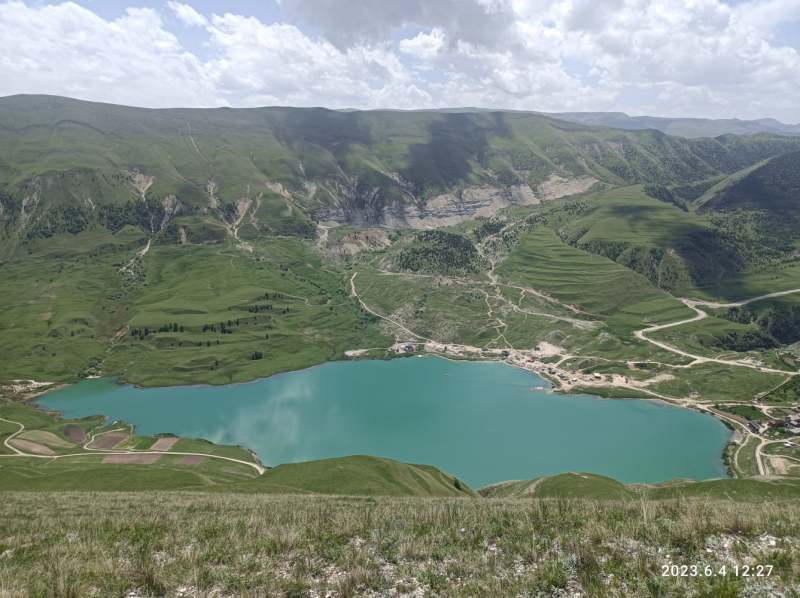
(147, 215)
(783, 323)
(12, 205)
(789, 392)
(256, 356)
(65, 218)
(661, 193)
(169, 235)
(91, 369)
(693, 191)
(768, 201)
(223, 327)
(747, 340)
(487, 229)
(171, 328)
(143, 332)
(254, 309)
(743, 341)
(780, 325)
(740, 315)
(439, 251)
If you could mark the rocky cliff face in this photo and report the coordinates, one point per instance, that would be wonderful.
(446, 209)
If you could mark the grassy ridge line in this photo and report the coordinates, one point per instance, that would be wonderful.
(726, 183)
(295, 545)
(363, 476)
(357, 475)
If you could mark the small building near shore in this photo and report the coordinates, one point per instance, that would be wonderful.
(754, 427)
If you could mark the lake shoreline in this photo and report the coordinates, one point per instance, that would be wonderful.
(464, 407)
(554, 390)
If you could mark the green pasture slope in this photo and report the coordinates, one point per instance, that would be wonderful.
(68, 315)
(89, 474)
(356, 475)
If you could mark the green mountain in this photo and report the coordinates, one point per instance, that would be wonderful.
(171, 247)
(67, 166)
(770, 195)
(682, 127)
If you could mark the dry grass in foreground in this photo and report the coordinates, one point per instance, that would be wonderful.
(176, 544)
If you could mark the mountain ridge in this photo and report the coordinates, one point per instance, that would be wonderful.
(65, 164)
(691, 127)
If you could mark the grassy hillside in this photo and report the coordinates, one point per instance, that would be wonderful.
(357, 475)
(767, 199)
(130, 238)
(298, 546)
(155, 315)
(736, 490)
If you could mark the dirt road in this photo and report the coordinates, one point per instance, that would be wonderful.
(260, 469)
(693, 303)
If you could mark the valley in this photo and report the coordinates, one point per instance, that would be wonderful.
(304, 352)
(223, 247)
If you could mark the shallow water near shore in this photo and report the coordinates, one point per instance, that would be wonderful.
(481, 422)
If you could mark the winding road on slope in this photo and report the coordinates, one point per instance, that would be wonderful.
(693, 303)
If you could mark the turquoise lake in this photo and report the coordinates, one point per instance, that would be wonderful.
(481, 422)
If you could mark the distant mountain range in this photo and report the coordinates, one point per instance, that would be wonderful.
(682, 127)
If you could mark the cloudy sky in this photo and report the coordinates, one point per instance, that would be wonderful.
(705, 58)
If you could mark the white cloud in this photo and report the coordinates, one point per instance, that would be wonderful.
(668, 57)
(68, 50)
(703, 57)
(187, 14)
(279, 63)
(484, 23)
